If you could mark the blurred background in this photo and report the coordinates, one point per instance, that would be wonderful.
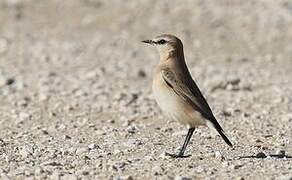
(75, 87)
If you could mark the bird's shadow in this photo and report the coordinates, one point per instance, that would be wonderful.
(263, 156)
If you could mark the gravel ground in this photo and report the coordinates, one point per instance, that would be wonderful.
(76, 100)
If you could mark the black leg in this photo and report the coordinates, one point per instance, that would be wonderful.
(186, 142)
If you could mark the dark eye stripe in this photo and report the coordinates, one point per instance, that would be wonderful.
(162, 41)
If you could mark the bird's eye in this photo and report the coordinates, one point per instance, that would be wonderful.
(162, 41)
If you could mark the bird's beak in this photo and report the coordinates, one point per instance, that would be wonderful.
(148, 41)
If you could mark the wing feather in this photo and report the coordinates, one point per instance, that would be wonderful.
(190, 93)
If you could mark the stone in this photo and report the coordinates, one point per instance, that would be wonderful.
(261, 155)
(81, 151)
(69, 176)
(92, 146)
(181, 178)
(219, 156)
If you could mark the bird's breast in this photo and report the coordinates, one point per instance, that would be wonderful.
(164, 95)
(173, 105)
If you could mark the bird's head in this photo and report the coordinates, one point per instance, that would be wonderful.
(166, 44)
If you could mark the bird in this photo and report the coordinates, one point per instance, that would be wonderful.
(177, 94)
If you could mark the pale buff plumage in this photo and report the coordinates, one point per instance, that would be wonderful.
(173, 105)
(175, 91)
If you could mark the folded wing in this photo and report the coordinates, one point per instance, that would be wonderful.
(190, 93)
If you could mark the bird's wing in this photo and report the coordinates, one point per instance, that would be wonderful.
(190, 93)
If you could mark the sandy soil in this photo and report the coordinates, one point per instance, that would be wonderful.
(76, 100)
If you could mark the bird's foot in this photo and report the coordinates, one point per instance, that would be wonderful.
(179, 155)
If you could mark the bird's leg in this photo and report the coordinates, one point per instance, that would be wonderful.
(186, 142)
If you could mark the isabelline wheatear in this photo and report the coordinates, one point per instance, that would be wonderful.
(176, 92)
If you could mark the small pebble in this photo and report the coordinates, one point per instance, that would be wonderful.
(281, 152)
(10, 81)
(149, 158)
(69, 176)
(181, 178)
(127, 177)
(261, 155)
(239, 178)
(234, 81)
(219, 156)
(225, 164)
(158, 170)
(131, 129)
(81, 150)
(200, 169)
(67, 137)
(141, 73)
(38, 171)
(92, 146)
(227, 112)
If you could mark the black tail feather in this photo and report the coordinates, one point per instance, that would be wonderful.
(221, 132)
(219, 129)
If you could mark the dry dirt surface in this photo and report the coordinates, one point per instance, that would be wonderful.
(76, 100)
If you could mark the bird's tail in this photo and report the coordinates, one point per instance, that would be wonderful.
(220, 131)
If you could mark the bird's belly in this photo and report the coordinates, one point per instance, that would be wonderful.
(174, 107)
